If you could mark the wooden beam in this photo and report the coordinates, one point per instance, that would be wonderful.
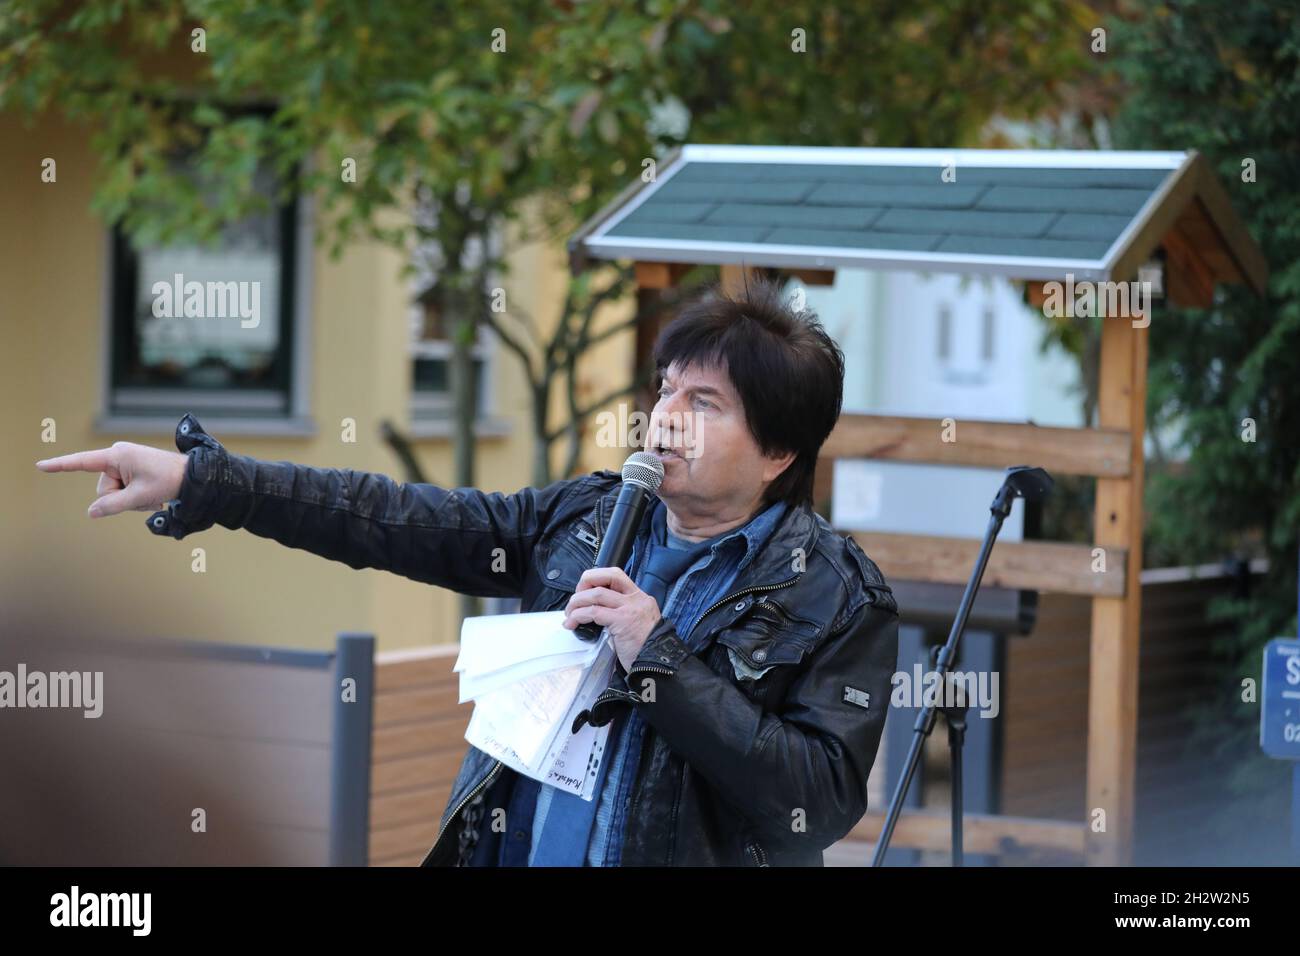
(1196, 226)
(1070, 451)
(813, 276)
(649, 304)
(1236, 239)
(1188, 279)
(395, 842)
(823, 486)
(734, 277)
(415, 667)
(1031, 565)
(981, 832)
(660, 275)
(1036, 294)
(653, 279)
(1114, 640)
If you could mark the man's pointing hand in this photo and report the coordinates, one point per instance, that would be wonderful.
(131, 477)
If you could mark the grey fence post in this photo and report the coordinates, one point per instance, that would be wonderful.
(350, 765)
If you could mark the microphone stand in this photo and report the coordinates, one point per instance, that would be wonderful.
(1033, 484)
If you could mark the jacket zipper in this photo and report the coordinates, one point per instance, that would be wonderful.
(760, 854)
(775, 608)
(464, 800)
(743, 592)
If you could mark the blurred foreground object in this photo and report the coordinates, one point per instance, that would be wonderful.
(199, 755)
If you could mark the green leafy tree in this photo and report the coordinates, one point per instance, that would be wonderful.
(463, 119)
(465, 111)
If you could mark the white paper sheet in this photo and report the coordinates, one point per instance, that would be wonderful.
(473, 686)
(524, 707)
(495, 641)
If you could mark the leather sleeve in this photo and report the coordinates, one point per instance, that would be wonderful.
(814, 756)
(464, 539)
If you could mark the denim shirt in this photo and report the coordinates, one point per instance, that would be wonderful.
(696, 590)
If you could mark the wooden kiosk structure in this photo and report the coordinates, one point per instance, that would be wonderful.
(1078, 218)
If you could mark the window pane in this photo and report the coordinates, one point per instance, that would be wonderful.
(207, 319)
(432, 387)
(432, 375)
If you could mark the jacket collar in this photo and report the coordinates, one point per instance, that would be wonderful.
(794, 536)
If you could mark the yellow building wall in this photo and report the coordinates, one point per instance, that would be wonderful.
(64, 572)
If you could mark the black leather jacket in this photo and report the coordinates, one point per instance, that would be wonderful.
(735, 769)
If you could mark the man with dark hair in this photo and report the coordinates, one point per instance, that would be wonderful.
(785, 371)
(755, 645)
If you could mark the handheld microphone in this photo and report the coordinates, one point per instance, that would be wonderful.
(643, 473)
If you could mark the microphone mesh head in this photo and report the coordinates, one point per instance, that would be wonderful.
(644, 469)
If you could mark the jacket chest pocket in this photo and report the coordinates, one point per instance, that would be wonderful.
(762, 652)
(562, 562)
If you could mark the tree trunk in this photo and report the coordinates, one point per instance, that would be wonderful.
(541, 447)
(464, 390)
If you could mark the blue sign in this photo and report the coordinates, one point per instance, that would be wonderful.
(1279, 717)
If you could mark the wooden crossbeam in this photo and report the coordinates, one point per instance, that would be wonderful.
(1072, 451)
(660, 275)
(981, 832)
(813, 276)
(1031, 565)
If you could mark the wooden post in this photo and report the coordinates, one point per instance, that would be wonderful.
(733, 278)
(653, 279)
(647, 332)
(1113, 655)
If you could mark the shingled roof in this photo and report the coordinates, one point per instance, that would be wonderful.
(1027, 214)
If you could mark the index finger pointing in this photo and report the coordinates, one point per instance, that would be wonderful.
(98, 460)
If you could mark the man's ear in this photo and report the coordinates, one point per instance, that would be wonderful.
(777, 464)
